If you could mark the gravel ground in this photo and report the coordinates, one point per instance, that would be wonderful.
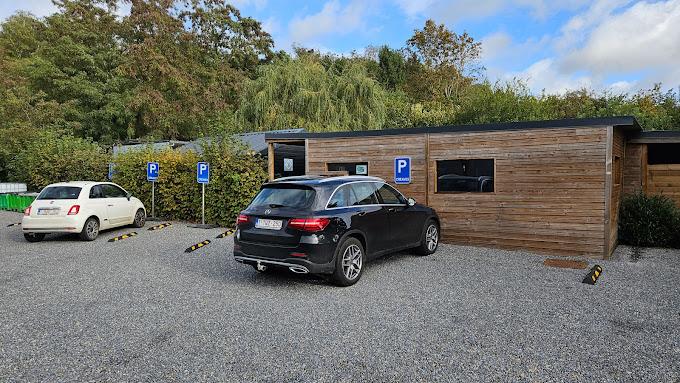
(143, 310)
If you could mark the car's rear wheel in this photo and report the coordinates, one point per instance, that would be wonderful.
(430, 238)
(140, 218)
(349, 262)
(90, 229)
(34, 237)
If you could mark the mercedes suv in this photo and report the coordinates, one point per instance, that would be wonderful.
(332, 225)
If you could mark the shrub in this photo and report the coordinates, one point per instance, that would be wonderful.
(49, 157)
(649, 221)
(235, 177)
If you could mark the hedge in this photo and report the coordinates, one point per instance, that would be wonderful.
(235, 177)
(649, 221)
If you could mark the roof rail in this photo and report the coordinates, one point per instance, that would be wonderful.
(305, 177)
(352, 177)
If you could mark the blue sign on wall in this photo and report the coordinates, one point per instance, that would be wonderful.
(152, 169)
(203, 172)
(402, 170)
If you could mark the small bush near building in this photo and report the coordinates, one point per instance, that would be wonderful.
(235, 177)
(649, 221)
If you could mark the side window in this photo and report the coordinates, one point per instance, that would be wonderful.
(390, 196)
(363, 194)
(111, 191)
(340, 198)
(96, 192)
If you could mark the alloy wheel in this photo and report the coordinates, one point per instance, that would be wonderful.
(431, 237)
(352, 260)
(92, 228)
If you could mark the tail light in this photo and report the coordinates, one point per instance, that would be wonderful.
(309, 224)
(27, 211)
(74, 210)
(242, 218)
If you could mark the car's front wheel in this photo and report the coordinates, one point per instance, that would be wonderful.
(34, 237)
(430, 238)
(140, 218)
(349, 262)
(90, 229)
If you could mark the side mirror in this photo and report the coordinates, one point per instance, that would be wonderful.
(128, 195)
(411, 202)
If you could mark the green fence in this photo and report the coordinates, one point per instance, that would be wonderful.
(15, 202)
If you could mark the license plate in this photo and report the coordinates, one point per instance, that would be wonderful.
(269, 224)
(51, 211)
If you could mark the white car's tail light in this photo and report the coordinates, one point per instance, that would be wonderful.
(74, 210)
(27, 211)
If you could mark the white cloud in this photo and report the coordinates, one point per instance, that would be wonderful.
(544, 75)
(332, 19)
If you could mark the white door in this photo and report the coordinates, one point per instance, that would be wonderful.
(98, 204)
(118, 206)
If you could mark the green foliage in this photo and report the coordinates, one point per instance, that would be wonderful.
(49, 157)
(392, 66)
(303, 93)
(649, 221)
(235, 177)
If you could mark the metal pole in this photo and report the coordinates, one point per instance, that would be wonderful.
(153, 199)
(203, 204)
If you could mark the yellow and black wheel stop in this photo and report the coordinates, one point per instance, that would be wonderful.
(161, 226)
(196, 246)
(226, 233)
(592, 275)
(124, 236)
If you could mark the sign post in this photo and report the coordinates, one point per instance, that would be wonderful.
(152, 169)
(203, 177)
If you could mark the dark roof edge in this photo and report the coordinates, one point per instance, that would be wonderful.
(628, 123)
(656, 137)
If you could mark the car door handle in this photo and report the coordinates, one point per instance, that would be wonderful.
(111, 205)
(361, 213)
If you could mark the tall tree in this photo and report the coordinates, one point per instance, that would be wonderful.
(392, 68)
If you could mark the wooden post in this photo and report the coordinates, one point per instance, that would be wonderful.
(270, 160)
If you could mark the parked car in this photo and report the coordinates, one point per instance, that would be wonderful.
(331, 226)
(81, 207)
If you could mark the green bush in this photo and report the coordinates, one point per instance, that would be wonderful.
(649, 221)
(235, 177)
(49, 157)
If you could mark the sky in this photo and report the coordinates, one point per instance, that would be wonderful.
(554, 46)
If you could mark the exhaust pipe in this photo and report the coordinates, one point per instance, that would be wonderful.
(298, 269)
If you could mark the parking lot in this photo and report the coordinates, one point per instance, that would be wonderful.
(143, 310)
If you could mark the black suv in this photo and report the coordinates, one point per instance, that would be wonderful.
(333, 225)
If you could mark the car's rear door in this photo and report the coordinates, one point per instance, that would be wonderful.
(406, 223)
(370, 217)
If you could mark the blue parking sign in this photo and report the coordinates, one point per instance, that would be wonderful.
(203, 172)
(152, 169)
(402, 170)
(111, 170)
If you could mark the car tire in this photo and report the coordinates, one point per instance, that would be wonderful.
(90, 229)
(140, 218)
(34, 237)
(349, 262)
(430, 238)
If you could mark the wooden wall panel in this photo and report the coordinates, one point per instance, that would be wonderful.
(618, 161)
(379, 152)
(549, 190)
(665, 180)
(632, 168)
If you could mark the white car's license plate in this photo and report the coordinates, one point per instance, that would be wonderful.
(269, 224)
(51, 211)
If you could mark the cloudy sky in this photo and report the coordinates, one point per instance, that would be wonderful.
(555, 46)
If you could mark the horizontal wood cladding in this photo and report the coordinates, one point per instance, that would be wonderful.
(632, 168)
(664, 180)
(618, 159)
(379, 152)
(549, 190)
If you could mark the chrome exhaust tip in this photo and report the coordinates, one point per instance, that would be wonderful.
(298, 269)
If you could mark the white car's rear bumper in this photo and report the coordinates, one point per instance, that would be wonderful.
(68, 224)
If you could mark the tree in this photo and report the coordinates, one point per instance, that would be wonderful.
(451, 60)
(392, 68)
(303, 93)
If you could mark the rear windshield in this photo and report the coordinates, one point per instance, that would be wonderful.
(284, 196)
(60, 192)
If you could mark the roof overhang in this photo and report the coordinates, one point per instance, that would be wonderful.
(657, 137)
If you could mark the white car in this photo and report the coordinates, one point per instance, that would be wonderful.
(81, 207)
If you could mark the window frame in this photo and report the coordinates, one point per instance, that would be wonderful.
(436, 176)
(116, 187)
(379, 198)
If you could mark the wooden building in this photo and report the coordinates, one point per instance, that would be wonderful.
(551, 187)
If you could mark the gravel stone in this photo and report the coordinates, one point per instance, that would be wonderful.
(143, 310)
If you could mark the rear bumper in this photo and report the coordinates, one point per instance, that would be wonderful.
(52, 224)
(319, 257)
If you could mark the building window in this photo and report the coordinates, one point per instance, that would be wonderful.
(475, 176)
(352, 168)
